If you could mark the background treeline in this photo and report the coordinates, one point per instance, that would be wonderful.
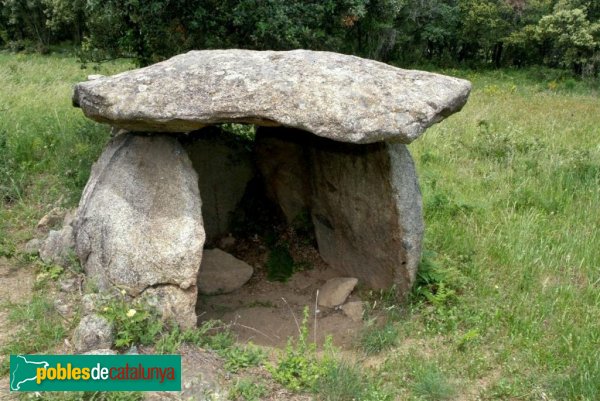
(556, 33)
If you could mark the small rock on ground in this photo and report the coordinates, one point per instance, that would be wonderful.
(354, 310)
(93, 332)
(335, 291)
(221, 273)
(32, 247)
(58, 247)
(50, 220)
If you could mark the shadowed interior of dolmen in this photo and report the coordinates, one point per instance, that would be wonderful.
(256, 208)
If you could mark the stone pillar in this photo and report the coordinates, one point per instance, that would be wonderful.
(367, 213)
(140, 226)
(224, 166)
(283, 163)
(364, 201)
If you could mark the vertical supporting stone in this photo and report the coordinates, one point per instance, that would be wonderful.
(139, 225)
(283, 163)
(364, 200)
(366, 208)
(224, 166)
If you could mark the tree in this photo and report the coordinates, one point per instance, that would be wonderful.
(573, 41)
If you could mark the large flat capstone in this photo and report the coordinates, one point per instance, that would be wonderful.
(336, 96)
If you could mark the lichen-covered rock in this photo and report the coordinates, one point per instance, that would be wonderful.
(32, 247)
(93, 332)
(173, 303)
(58, 247)
(139, 225)
(336, 96)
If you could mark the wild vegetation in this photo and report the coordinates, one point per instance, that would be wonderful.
(556, 33)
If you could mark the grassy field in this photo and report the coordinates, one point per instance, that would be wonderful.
(508, 303)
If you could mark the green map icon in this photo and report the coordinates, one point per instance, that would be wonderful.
(23, 370)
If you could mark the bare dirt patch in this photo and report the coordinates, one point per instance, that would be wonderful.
(268, 313)
(16, 286)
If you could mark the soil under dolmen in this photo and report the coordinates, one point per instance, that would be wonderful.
(327, 182)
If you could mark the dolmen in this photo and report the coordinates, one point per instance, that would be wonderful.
(331, 142)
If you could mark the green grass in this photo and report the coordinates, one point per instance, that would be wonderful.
(247, 390)
(511, 193)
(40, 328)
(347, 381)
(508, 306)
(47, 146)
(375, 339)
(430, 384)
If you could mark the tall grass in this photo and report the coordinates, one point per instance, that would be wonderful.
(46, 146)
(511, 188)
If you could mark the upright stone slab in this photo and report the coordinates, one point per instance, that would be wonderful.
(367, 212)
(224, 166)
(364, 201)
(283, 164)
(139, 226)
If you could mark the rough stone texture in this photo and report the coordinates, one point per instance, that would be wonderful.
(221, 272)
(70, 218)
(284, 167)
(335, 291)
(65, 309)
(354, 310)
(345, 98)
(224, 166)
(202, 378)
(69, 284)
(173, 303)
(93, 332)
(139, 226)
(51, 219)
(364, 200)
(91, 302)
(32, 247)
(58, 247)
(104, 351)
(367, 212)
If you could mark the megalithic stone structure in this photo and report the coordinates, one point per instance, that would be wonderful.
(334, 145)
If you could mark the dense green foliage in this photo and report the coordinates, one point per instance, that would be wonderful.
(557, 33)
